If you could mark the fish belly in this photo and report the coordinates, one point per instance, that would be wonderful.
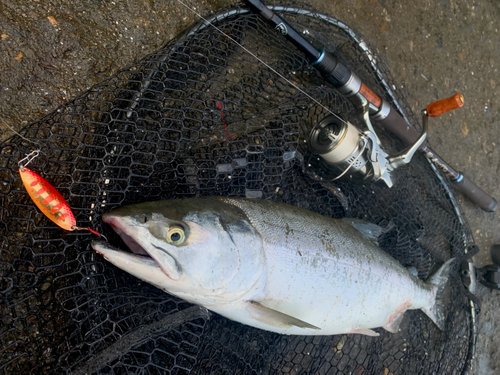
(341, 295)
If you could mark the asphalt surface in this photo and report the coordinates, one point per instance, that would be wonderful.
(52, 50)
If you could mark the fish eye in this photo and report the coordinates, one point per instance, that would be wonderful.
(176, 235)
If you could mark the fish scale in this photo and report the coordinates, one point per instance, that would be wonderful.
(337, 268)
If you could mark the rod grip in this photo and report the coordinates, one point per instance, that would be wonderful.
(475, 194)
(445, 105)
(399, 127)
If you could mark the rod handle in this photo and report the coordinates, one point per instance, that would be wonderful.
(395, 124)
(442, 106)
(475, 193)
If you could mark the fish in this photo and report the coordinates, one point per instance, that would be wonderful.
(271, 265)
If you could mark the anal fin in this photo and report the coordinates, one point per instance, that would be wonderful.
(393, 326)
(275, 318)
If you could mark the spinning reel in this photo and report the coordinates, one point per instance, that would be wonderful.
(358, 154)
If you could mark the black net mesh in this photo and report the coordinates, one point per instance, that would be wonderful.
(201, 117)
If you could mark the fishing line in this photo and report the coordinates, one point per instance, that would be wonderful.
(261, 61)
(13, 130)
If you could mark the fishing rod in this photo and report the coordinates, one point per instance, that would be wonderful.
(376, 164)
(352, 87)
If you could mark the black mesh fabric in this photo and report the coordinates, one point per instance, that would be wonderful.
(202, 117)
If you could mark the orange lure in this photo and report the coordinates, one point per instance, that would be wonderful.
(48, 199)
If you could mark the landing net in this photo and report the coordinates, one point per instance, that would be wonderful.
(201, 117)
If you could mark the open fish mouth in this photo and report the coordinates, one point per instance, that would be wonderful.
(129, 240)
(143, 257)
(132, 263)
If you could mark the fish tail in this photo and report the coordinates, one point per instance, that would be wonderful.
(439, 280)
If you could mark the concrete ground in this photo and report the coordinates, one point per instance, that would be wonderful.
(53, 50)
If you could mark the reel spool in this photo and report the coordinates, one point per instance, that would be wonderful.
(341, 146)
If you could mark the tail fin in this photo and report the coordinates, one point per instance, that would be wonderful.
(439, 279)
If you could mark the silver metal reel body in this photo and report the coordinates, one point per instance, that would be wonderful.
(358, 154)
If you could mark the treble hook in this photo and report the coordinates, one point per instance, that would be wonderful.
(30, 157)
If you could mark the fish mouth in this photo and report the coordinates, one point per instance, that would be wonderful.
(151, 254)
(144, 268)
(109, 252)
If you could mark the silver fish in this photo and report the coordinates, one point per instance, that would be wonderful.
(270, 265)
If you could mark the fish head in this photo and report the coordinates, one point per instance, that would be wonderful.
(194, 248)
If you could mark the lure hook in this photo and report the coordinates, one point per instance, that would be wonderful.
(93, 231)
(29, 158)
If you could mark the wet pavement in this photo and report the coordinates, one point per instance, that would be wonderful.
(51, 51)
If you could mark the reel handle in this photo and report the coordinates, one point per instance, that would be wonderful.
(445, 105)
(398, 126)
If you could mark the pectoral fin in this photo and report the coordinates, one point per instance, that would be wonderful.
(364, 331)
(275, 318)
(369, 230)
